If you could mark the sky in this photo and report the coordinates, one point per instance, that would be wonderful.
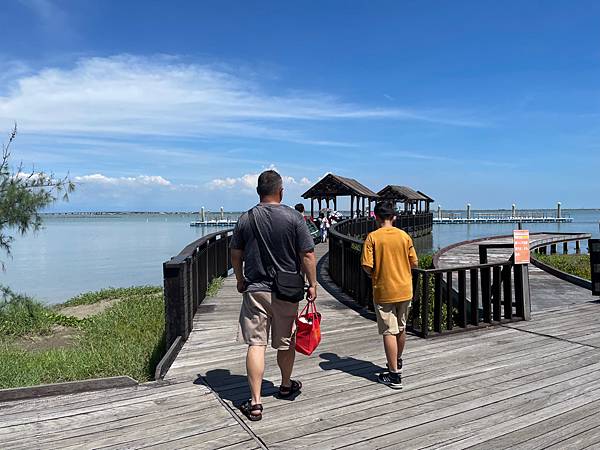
(171, 106)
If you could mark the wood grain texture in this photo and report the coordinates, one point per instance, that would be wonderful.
(520, 385)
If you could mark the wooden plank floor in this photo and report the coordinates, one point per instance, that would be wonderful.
(500, 387)
(547, 291)
(152, 415)
(524, 385)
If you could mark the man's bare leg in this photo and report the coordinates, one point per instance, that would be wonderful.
(255, 368)
(285, 360)
(390, 344)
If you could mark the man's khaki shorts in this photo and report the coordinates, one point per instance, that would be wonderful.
(391, 317)
(263, 313)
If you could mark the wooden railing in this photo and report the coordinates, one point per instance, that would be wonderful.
(444, 300)
(551, 247)
(463, 298)
(186, 280)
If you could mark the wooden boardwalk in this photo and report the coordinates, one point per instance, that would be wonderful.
(523, 385)
(547, 291)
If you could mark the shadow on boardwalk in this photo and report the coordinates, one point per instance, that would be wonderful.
(351, 366)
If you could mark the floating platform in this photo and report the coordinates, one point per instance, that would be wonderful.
(214, 223)
(503, 220)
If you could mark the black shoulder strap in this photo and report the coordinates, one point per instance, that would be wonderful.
(265, 254)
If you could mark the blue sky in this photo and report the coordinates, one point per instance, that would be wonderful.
(175, 105)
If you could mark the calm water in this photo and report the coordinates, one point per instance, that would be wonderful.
(72, 255)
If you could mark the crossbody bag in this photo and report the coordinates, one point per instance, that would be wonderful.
(288, 286)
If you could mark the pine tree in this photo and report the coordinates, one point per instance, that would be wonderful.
(23, 195)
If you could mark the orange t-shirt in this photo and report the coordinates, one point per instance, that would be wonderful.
(389, 252)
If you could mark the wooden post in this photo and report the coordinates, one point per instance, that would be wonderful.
(577, 247)
(320, 204)
(335, 203)
(312, 207)
(363, 206)
(327, 202)
(565, 248)
(552, 249)
(522, 291)
(351, 206)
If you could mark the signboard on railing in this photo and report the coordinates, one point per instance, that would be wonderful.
(521, 244)
(594, 246)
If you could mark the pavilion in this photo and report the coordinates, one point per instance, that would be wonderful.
(413, 201)
(330, 187)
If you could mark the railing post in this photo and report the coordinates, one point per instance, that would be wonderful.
(522, 291)
(486, 294)
(497, 293)
(174, 304)
(188, 295)
(507, 285)
(425, 306)
(474, 273)
(437, 303)
(462, 298)
(449, 307)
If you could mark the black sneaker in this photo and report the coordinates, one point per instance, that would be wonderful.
(399, 365)
(393, 380)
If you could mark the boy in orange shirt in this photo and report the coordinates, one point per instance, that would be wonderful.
(388, 257)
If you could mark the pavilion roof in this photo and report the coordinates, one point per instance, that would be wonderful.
(403, 193)
(334, 185)
(429, 199)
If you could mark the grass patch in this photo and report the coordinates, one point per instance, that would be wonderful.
(126, 339)
(214, 286)
(21, 315)
(89, 298)
(578, 265)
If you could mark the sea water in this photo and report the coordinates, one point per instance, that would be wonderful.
(75, 254)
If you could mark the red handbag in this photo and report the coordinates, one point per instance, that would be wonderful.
(308, 329)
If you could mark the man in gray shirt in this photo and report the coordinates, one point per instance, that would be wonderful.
(292, 248)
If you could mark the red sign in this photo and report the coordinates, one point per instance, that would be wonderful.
(521, 243)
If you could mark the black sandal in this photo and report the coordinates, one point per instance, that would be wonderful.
(247, 408)
(286, 392)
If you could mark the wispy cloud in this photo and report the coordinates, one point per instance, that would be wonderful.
(140, 180)
(249, 181)
(132, 96)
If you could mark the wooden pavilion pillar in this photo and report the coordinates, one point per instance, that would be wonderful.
(363, 207)
(327, 202)
(320, 204)
(312, 207)
(335, 203)
(351, 206)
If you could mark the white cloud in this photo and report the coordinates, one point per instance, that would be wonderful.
(140, 180)
(249, 181)
(130, 96)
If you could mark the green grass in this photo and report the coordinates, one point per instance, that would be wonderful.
(125, 339)
(578, 265)
(110, 294)
(214, 286)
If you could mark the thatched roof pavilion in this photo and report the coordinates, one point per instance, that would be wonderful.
(332, 186)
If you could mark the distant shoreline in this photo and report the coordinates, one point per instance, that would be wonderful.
(181, 213)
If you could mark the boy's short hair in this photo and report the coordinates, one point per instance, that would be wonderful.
(385, 210)
(269, 183)
(299, 207)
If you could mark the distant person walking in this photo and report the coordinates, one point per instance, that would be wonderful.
(324, 225)
(300, 208)
(283, 234)
(388, 257)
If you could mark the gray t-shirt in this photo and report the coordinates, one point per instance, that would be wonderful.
(285, 234)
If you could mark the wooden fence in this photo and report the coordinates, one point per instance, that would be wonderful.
(186, 279)
(444, 300)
